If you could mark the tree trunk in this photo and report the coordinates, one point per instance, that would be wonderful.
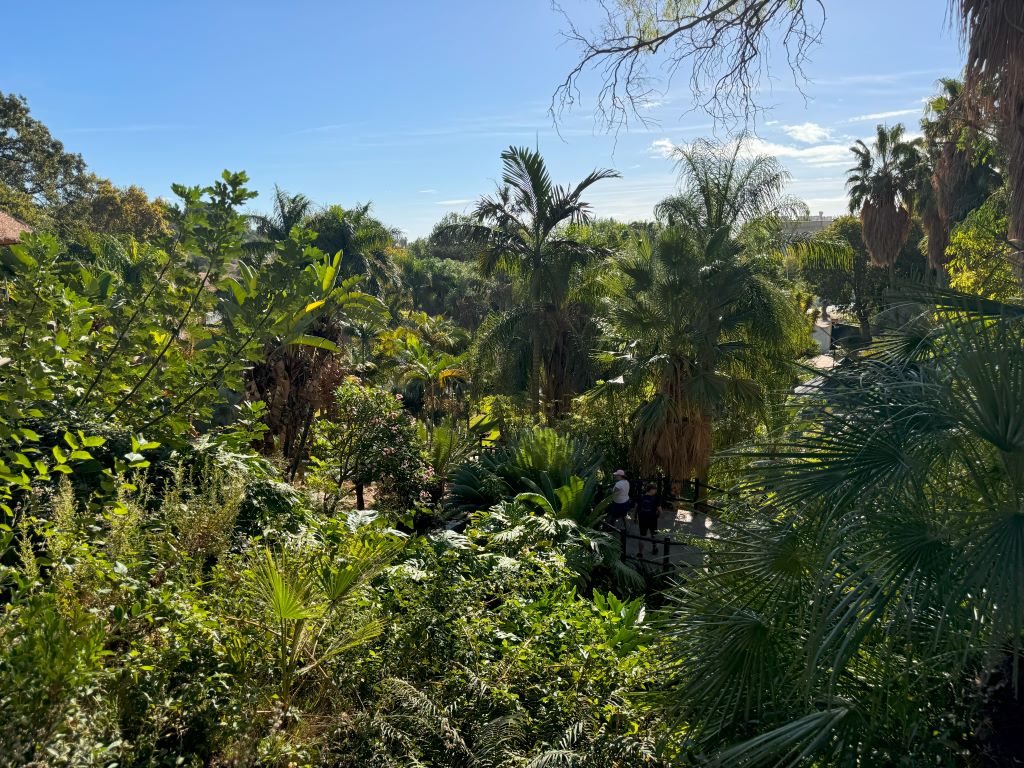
(865, 324)
(360, 501)
(1017, 260)
(700, 486)
(304, 436)
(535, 374)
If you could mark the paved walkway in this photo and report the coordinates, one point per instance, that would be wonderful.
(681, 529)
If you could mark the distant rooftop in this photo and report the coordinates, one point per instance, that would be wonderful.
(11, 229)
(806, 225)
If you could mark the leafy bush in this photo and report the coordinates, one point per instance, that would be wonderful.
(367, 438)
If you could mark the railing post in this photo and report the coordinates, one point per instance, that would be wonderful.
(622, 542)
(665, 561)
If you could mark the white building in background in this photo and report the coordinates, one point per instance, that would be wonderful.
(795, 229)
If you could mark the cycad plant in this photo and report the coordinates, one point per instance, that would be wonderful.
(532, 458)
(557, 522)
(869, 609)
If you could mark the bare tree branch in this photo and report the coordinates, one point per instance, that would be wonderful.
(726, 45)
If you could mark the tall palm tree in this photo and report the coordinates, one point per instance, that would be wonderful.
(697, 320)
(519, 230)
(881, 187)
(994, 30)
(954, 172)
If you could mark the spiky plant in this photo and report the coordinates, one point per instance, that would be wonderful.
(868, 608)
(531, 458)
(295, 597)
(881, 187)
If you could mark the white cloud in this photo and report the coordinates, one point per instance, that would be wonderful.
(428, 192)
(662, 148)
(632, 198)
(808, 133)
(882, 115)
(459, 201)
(818, 155)
(886, 78)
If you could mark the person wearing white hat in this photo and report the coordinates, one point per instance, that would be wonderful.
(621, 503)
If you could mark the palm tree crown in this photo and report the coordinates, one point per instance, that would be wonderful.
(875, 586)
(519, 230)
(697, 319)
(289, 211)
(881, 187)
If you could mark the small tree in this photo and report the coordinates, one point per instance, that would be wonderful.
(367, 438)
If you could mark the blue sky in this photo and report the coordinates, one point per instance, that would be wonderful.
(409, 104)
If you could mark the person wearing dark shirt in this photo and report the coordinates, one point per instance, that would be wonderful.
(647, 510)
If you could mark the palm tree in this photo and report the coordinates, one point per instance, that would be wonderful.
(366, 244)
(954, 173)
(695, 319)
(289, 211)
(871, 608)
(520, 231)
(294, 599)
(994, 30)
(438, 373)
(881, 187)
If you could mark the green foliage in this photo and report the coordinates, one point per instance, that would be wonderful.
(296, 602)
(697, 326)
(526, 671)
(519, 231)
(525, 461)
(862, 607)
(129, 212)
(166, 598)
(450, 285)
(369, 437)
(854, 285)
(157, 337)
(34, 165)
(980, 252)
(366, 245)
